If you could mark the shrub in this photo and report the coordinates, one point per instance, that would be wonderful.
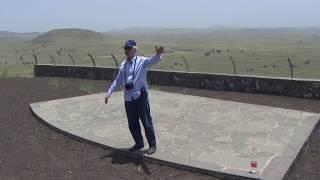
(207, 53)
(4, 72)
(87, 88)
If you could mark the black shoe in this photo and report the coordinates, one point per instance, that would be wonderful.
(152, 149)
(136, 147)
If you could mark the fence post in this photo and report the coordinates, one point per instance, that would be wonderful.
(291, 67)
(93, 62)
(185, 63)
(35, 58)
(70, 56)
(52, 58)
(234, 65)
(115, 60)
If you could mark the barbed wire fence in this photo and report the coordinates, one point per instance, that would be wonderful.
(210, 62)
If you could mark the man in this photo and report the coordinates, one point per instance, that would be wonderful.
(132, 74)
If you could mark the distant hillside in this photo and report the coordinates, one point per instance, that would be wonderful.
(14, 35)
(284, 29)
(4, 34)
(156, 30)
(67, 34)
(214, 28)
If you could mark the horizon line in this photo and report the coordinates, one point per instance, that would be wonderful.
(213, 27)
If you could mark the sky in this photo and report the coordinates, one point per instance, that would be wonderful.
(106, 15)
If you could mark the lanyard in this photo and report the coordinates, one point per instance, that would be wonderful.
(134, 69)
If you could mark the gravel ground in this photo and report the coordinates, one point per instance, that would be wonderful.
(30, 150)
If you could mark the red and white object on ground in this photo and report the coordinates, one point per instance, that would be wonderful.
(253, 167)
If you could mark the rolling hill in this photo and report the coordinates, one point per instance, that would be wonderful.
(69, 35)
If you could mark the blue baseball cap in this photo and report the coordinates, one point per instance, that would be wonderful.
(130, 43)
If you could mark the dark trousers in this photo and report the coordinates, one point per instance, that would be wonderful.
(136, 109)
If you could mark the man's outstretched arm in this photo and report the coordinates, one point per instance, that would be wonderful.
(156, 58)
(116, 84)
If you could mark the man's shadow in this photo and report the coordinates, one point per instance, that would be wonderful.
(123, 156)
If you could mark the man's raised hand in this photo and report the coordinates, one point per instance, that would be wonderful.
(159, 50)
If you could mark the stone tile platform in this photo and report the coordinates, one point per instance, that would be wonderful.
(210, 135)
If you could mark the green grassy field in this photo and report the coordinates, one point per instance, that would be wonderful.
(262, 52)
